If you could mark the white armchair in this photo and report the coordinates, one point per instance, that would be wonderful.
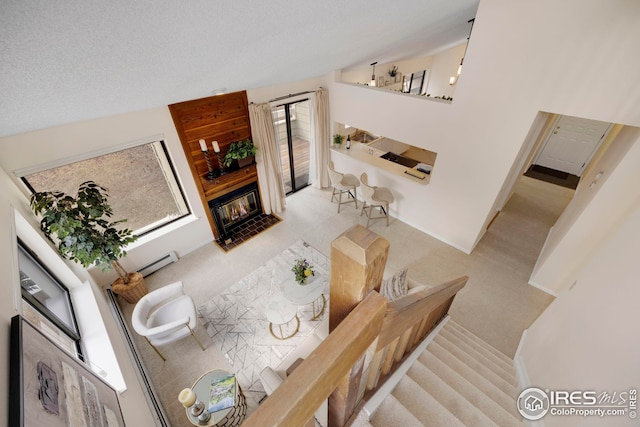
(164, 316)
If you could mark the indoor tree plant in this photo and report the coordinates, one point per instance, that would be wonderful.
(239, 151)
(84, 233)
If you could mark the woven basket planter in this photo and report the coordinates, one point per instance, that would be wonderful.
(133, 291)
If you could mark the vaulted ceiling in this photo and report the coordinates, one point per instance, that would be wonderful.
(70, 60)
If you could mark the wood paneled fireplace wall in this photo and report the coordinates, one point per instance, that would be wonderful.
(222, 118)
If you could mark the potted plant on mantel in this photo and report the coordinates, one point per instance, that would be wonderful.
(241, 151)
(84, 234)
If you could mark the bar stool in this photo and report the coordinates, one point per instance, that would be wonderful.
(375, 197)
(343, 183)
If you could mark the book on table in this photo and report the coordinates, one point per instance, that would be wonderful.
(222, 394)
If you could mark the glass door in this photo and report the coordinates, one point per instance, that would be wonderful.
(293, 131)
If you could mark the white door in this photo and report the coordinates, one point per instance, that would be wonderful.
(571, 144)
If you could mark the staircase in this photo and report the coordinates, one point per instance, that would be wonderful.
(459, 380)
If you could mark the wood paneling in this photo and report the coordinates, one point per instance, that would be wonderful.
(223, 118)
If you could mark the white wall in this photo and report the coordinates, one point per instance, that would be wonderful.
(13, 203)
(266, 94)
(47, 145)
(588, 338)
(405, 67)
(576, 57)
(512, 70)
(445, 65)
(50, 144)
(440, 67)
(593, 213)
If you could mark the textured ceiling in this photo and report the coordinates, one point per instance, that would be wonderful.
(63, 61)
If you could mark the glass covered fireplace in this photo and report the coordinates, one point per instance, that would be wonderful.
(233, 209)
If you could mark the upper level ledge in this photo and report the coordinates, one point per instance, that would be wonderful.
(397, 92)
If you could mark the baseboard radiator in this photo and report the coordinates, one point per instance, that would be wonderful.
(156, 265)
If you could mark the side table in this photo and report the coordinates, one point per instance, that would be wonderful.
(229, 417)
(309, 293)
(279, 312)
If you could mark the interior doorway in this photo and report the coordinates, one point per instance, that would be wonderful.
(571, 144)
(610, 147)
(292, 122)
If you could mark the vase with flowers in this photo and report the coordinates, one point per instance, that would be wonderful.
(302, 270)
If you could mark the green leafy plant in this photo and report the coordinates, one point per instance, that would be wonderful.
(302, 270)
(337, 138)
(81, 226)
(239, 150)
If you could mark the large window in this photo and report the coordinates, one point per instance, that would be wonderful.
(140, 179)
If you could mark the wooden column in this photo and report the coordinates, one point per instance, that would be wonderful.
(358, 258)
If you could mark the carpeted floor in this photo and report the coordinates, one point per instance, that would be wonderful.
(236, 322)
(497, 304)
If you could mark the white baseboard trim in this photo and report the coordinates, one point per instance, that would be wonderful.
(543, 289)
(520, 344)
(521, 374)
(523, 378)
(376, 400)
(443, 240)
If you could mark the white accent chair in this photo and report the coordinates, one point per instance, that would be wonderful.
(343, 183)
(164, 316)
(375, 197)
(271, 378)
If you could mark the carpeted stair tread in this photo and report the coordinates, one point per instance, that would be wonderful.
(393, 413)
(487, 359)
(462, 331)
(478, 366)
(437, 357)
(462, 407)
(423, 405)
(473, 387)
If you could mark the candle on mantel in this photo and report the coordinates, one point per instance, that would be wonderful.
(203, 145)
(216, 147)
(187, 397)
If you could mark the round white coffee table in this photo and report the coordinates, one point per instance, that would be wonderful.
(279, 312)
(309, 293)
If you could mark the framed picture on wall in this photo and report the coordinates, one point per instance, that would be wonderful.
(49, 387)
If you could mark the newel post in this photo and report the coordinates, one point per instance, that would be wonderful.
(358, 259)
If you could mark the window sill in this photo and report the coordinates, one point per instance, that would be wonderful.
(169, 228)
(96, 344)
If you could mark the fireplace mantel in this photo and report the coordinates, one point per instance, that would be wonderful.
(221, 118)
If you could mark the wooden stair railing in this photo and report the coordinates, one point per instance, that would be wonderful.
(358, 316)
(295, 401)
(407, 321)
(398, 326)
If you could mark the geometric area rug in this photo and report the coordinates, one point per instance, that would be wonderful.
(236, 321)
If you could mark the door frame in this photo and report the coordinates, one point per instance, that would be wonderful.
(286, 102)
(588, 159)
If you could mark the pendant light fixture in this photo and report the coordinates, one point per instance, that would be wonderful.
(454, 79)
(373, 74)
